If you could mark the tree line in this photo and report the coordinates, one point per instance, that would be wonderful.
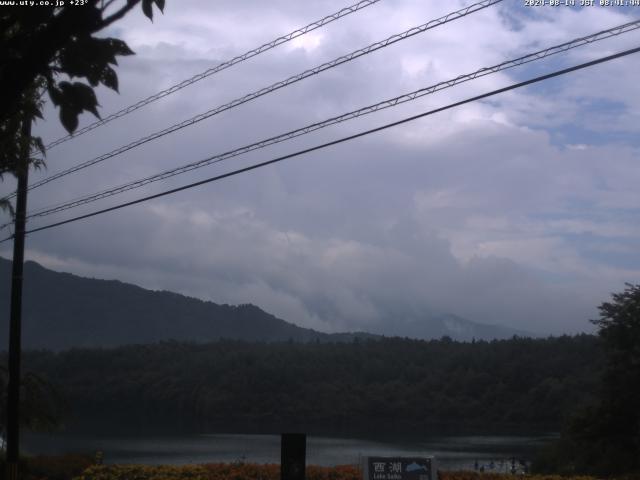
(391, 385)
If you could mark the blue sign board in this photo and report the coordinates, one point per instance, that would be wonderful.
(399, 468)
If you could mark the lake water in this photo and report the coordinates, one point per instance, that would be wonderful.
(455, 452)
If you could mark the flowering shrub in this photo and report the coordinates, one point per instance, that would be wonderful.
(468, 475)
(144, 472)
(49, 467)
(57, 467)
(231, 471)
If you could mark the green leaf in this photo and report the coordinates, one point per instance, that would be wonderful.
(55, 94)
(118, 47)
(109, 78)
(75, 98)
(6, 205)
(147, 8)
(37, 142)
(85, 98)
(68, 118)
(160, 4)
(91, 15)
(90, 58)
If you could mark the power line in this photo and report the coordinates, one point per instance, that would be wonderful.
(541, 54)
(276, 86)
(218, 68)
(336, 142)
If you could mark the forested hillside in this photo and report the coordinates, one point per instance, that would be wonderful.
(62, 311)
(391, 385)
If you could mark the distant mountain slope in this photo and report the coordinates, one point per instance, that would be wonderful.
(61, 311)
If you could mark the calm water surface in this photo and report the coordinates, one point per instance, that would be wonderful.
(456, 452)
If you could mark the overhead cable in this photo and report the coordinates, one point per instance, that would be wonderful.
(218, 68)
(407, 97)
(276, 86)
(335, 142)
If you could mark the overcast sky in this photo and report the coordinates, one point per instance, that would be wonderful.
(521, 210)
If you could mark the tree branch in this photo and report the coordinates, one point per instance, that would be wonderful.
(119, 14)
(42, 47)
(106, 5)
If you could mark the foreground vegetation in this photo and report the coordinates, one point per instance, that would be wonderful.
(220, 471)
(603, 437)
(77, 467)
(58, 467)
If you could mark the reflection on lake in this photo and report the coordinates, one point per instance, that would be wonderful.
(455, 452)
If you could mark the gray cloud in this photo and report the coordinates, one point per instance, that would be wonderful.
(491, 211)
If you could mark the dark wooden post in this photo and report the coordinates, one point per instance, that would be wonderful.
(293, 456)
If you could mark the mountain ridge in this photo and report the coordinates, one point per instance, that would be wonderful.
(62, 310)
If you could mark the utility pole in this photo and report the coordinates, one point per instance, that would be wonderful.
(15, 325)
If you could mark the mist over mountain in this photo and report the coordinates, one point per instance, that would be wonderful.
(437, 325)
(61, 311)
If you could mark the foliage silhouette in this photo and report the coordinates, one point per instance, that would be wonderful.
(41, 404)
(38, 46)
(603, 438)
